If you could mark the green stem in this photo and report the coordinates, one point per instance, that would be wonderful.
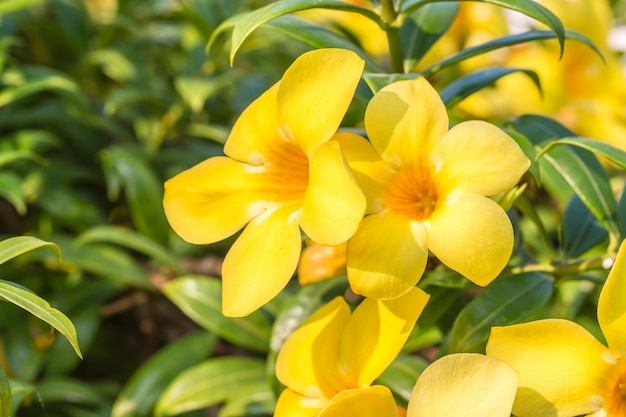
(565, 268)
(389, 16)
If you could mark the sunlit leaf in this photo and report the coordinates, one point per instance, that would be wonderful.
(200, 298)
(9, 6)
(15, 246)
(610, 152)
(212, 382)
(508, 300)
(40, 308)
(467, 85)
(139, 395)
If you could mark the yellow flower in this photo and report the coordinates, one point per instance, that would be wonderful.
(329, 363)
(427, 189)
(281, 173)
(320, 262)
(563, 370)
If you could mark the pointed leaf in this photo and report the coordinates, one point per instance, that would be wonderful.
(200, 298)
(139, 395)
(509, 299)
(467, 85)
(610, 152)
(15, 246)
(581, 230)
(40, 308)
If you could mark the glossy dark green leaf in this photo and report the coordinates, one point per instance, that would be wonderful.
(317, 37)
(509, 299)
(245, 23)
(6, 399)
(377, 81)
(212, 382)
(610, 152)
(467, 85)
(200, 298)
(40, 308)
(504, 41)
(143, 190)
(581, 230)
(130, 239)
(401, 375)
(423, 28)
(527, 7)
(139, 395)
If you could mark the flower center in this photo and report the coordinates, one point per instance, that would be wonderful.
(412, 192)
(287, 172)
(615, 391)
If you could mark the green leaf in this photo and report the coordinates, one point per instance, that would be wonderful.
(508, 300)
(6, 157)
(317, 37)
(527, 7)
(64, 389)
(423, 28)
(143, 190)
(212, 382)
(254, 399)
(130, 239)
(49, 82)
(15, 246)
(621, 212)
(401, 375)
(610, 152)
(9, 6)
(200, 298)
(581, 230)
(11, 190)
(41, 309)
(467, 85)
(378, 81)
(6, 399)
(139, 395)
(504, 41)
(246, 23)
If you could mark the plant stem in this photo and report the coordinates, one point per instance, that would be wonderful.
(389, 16)
(561, 269)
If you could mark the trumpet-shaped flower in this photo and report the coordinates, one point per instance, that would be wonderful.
(281, 173)
(331, 360)
(427, 188)
(563, 370)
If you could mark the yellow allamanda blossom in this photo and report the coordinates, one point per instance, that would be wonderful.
(563, 370)
(281, 174)
(427, 188)
(329, 363)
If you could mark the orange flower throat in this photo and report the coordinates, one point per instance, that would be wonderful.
(615, 391)
(412, 192)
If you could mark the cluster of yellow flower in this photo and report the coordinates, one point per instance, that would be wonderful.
(414, 187)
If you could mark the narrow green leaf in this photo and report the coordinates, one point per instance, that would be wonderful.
(51, 82)
(60, 388)
(610, 152)
(11, 190)
(9, 6)
(401, 375)
(200, 298)
(581, 230)
(143, 190)
(504, 41)
(509, 299)
(467, 85)
(139, 395)
(317, 37)
(212, 382)
(526, 7)
(423, 28)
(130, 239)
(6, 157)
(253, 399)
(245, 24)
(6, 399)
(15, 246)
(41, 309)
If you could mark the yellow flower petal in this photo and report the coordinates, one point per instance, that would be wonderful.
(370, 171)
(375, 334)
(255, 133)
(315, 93)
(404, 120)
(260, 262)
(292, 404)
(478, 157)
(212, 200)
(464, 384)
(562, 367)
(376, 401)
(612, 305)
(307, 362)
(386, 256)
(472, 235)
(333, 204)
